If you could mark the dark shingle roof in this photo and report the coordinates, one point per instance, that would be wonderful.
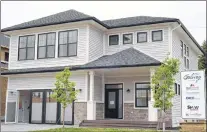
(129, 21)
(126, 58)
(4, 41)
(73, 16)
(62, 17)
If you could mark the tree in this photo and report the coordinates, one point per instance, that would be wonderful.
(202, 58)
(64, 91)
(163, 84)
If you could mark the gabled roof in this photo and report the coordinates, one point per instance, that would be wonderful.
(126, 58)
(138, 20)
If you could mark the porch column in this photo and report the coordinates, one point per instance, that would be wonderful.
(91, 104)
(152, 112)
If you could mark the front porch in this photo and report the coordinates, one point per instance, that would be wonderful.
(121, 93)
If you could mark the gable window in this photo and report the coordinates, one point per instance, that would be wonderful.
(176, 90)
(6, 56)
(46, 45)
(181, 48)
(157, 35)
(187, 50)
(26, 47)
(187, 63)
(186, 57)
(142, 94)
(128, 38)
(68, 43)
(113, 39)
(184, 49)
(141, 37)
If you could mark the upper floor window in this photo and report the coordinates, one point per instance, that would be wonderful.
(141, 37)
(186, 57)
(181, 48)
(113, 39)
(187, 50)
(46, 45)
(68, 43)
(157, 35)
(128, 38)
(6, 56)
(142, 94)
(26, 47)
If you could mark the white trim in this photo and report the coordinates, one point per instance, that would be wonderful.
(56, 44)
(104, 43)
(87, 42)
(86, 88)
(170, 42)
(144, 75)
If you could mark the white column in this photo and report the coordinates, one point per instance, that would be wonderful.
(91, 104)
(152, 112)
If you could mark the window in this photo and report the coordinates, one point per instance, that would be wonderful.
(141, 37)
(181, 48)
(128, 38)
(187, 63)
(113, 39)
(26, 47)
(46, 45)
(157, 35)
(176, 90)
(187, 51)
(184, 49)
(6, 56)
(68, 43)
(142, 94)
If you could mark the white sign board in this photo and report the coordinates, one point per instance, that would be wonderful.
(193, 94)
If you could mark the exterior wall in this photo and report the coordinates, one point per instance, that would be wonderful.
(80, 112)
(81, 57)
(193, 65)
(150, 48)
(3, 86)
(95, 43)
(100, 111)
(46, 81)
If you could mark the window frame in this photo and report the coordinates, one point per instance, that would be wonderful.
(153, 35)
(46, 46)
(113, 35)
(138, 37)
(26, 47)
(131, 38)
(67, 44)
(147, 95)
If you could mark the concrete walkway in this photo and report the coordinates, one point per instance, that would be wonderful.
(28, 127)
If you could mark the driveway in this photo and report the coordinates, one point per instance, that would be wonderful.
(28, 127)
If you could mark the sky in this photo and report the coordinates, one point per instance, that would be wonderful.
(191, 13)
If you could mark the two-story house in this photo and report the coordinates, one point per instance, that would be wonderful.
(112, 63)
(4, 58)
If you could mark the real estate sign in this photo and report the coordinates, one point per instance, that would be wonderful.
(193, 94)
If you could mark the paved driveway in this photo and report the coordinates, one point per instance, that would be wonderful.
(28, 127)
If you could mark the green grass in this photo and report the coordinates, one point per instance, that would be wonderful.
(94, 130)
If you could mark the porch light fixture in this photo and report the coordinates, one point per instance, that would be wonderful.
(80, 90)
(128, 90)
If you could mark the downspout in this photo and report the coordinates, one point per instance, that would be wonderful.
(172, 38)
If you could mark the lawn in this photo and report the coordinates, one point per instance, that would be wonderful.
(94, 130)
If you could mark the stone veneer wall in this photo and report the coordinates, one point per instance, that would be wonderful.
(99, 111)
(80, 112)
(134, 114)
(168, 116)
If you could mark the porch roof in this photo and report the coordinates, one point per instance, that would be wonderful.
(126, 58)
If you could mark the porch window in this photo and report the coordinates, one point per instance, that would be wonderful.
(142, 94)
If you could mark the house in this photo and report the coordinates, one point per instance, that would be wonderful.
(112, 63)
(4, 58)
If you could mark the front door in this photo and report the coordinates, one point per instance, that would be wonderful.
(111, 103)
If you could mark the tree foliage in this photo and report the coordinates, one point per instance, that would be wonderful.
(163, 83)
(64, 91)
(202, 58)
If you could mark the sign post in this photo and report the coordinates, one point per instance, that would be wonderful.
(193, 95)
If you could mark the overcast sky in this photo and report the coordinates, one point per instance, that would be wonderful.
(192, 14)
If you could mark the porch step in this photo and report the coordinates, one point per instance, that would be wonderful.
(118, 124)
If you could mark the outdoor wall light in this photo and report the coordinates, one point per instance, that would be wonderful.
(11, 92)
(80, 90)
(128, 90)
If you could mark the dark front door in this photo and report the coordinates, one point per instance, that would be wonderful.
(111, 103)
